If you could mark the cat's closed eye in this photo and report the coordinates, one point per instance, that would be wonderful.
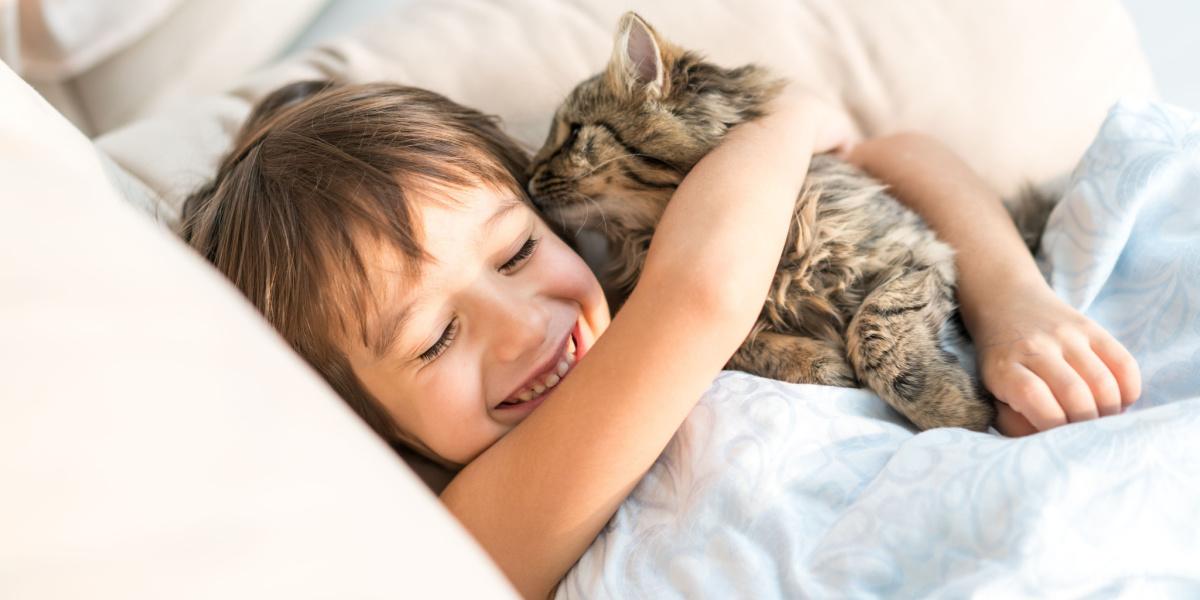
(572, 136)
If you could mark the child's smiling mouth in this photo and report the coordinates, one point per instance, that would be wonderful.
(530, 395)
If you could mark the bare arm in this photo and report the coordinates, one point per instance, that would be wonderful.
(936, 184)
(1044, 360)
(540, 495)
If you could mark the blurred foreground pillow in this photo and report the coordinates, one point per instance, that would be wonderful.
(157, 439)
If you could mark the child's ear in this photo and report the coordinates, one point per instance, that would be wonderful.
(640, 59)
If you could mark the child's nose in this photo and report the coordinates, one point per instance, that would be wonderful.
(520, 330)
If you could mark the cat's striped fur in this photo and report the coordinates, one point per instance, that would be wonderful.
(864, 294)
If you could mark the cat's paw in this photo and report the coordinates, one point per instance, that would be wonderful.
(833, 371)
(950, 398)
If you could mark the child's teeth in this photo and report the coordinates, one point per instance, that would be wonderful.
(551, 380)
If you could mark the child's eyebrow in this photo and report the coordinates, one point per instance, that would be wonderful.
(389, 328)
(508, 205)
(388, 332)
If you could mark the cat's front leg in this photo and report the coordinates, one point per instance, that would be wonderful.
(895, 346)
(794, 359)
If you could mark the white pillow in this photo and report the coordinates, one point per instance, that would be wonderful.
(157, 439)
(1016, 87)
(52, 40)
(201, 48)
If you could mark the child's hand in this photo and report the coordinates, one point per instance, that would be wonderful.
(1050, 365)
(835, 130)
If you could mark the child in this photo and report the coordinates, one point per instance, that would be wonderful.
(385, 232)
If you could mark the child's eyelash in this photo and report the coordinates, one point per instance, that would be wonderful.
(525, 252)
(443, 342)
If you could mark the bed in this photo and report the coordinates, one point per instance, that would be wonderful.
(769, 490)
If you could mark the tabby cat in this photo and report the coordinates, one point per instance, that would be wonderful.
(864, 293)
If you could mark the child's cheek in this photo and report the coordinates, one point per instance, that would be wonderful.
(570, 275)
(453, 404)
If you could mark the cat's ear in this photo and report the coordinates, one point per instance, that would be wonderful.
(640, 59)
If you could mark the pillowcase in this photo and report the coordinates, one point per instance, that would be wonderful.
(52, 40)
(157, 438)
(1017, 88)
(203, 47)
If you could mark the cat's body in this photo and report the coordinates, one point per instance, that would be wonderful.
(864, 292)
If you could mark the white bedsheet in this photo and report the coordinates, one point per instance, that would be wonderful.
(772, 490)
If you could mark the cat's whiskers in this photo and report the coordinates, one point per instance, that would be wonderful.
(586, 216)
(562, 221)
(587, 202)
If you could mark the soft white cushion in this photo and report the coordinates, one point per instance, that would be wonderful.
(201, 48)
(157, 439)
(1016, 87)
(103, 64)
(51, 40)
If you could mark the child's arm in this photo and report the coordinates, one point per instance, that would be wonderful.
(538, 497)
(1040, 357)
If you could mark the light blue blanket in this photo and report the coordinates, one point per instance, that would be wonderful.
(772, 490)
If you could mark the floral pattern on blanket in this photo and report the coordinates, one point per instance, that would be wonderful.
(772, 490)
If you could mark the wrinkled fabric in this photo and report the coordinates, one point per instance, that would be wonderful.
(773, 490)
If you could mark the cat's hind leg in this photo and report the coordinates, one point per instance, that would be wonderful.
(895, 348)
(794, 359)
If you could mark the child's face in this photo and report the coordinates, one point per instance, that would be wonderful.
(486, 321)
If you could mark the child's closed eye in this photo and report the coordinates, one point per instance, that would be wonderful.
(441, 344)
(524, 253)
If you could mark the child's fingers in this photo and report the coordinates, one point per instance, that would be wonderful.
(1011, 423)
(1097, 375)
(1027, 394)
(1122, 365)
(1070, 390)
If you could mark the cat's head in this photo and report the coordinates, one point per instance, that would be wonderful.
(623, 139)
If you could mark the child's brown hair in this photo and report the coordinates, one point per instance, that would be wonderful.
(316, 166)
